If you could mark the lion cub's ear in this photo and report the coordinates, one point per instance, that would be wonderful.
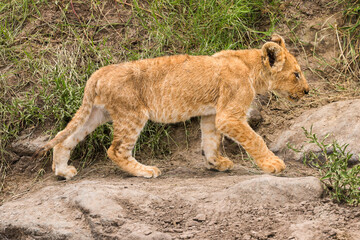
(278, 39)
(273, 56)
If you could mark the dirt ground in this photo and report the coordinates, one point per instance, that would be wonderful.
(179, 206)
(185, 166)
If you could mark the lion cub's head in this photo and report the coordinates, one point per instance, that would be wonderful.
(282, 69)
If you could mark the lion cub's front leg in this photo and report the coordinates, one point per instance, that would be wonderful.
(238, 129)
(210, 142)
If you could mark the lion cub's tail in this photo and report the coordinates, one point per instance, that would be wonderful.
(78, 120)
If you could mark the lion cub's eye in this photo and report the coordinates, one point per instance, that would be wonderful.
(297, 75)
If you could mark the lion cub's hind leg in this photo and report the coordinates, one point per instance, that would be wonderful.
(127, 128)
(210, 144)
(62, 150)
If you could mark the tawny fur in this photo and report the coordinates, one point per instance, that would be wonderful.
(219, 88)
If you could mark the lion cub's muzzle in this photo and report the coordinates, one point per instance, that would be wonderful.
(296, 97)
(306, 90)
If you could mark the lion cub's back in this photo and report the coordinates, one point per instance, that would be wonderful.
(179, 87)
(172, 88)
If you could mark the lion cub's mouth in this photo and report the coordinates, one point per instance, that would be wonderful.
(288, 96)
(292, 98)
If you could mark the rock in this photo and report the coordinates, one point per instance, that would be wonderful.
(11, 157)
(200, 217)
(186, 236)
(153, 236)
(84, 210)
(272, 190)
(135, 208)
(339, 119)
(254, 117)
(24, 164)
(27, 147)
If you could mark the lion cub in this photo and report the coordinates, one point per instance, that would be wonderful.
(219, 88)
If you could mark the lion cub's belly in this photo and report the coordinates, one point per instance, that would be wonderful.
(173, 114)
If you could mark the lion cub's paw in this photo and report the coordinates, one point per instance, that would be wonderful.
(67, 173)
(273, 165)
(148, 172)
(222, 164)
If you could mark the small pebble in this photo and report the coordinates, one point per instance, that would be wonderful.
(200, 217)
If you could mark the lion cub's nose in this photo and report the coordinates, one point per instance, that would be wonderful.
(306, 91)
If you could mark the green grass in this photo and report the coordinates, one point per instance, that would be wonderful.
(205, 27)
(342, 181)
